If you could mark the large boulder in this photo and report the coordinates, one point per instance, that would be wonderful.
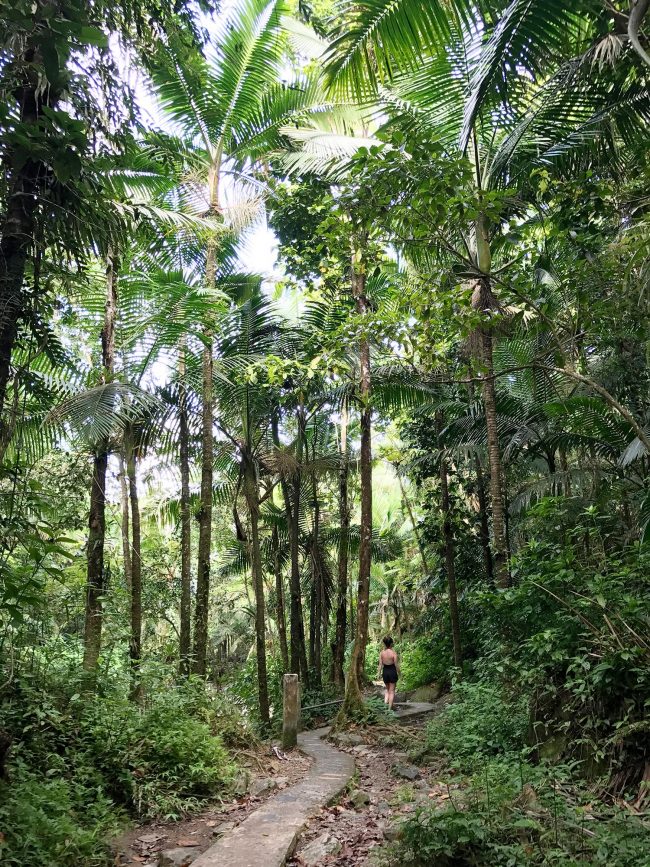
(223, 828)
(406, 772)
(317, 851)
(242, 782)
(359, 798)
(261, 786)
(347, 739)
(429, 693)
(181, 856)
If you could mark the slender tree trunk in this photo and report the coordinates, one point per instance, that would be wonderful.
(296, 593)
(448, 536)
(496, 473)
(506, 512)
(186, 523)
(201, 609)
(279, 603)
(317, 580)
(483, 518)
(484, 301)
(344, 543)
(126, 522)
(325, 614)
(312, 626)
(407, 505)
(291, 497)
(564, 464)
(252, 500)
(135, 645)
(95, 567)
(353, 698)
(300, 654)
(97, 517)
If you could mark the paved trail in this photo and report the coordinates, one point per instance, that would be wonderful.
(268, 836)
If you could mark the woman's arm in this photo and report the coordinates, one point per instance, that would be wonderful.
(379, 667)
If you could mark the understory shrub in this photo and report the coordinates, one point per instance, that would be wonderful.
(565, 836)
(82, 763)
(504, 810)
(58, 822)
(571, 634)
(482, 721)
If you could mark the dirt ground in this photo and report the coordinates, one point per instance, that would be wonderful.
(355, 833)
(142, 844)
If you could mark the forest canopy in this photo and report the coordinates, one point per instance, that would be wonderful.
(320, 322)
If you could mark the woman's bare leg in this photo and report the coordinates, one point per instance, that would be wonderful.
(391, 695)
(387, 693)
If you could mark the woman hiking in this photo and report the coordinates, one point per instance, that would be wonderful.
(388, 670)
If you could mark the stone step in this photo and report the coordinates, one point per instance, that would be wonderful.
(413, 710)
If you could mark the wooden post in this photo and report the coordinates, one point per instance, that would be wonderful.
(291, 710)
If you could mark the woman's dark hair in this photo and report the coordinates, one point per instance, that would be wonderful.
(388, 641)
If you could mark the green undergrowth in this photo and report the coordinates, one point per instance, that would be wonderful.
(504, 808)
(83, 765)
(545, 741)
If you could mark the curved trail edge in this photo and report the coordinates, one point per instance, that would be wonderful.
(269, 835)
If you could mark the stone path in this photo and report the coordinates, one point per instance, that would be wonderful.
(268, 836)
(412, 710)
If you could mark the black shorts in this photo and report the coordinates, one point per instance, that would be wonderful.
(389, 674)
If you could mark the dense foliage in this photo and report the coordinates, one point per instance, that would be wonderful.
(318, 322)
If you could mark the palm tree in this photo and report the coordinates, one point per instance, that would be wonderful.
(229, 105)
(439, 72)
(46, 200)
(247, 335)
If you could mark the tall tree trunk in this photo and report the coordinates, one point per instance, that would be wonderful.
(126, 522)
(296, 594)
(299, 655)
(186, 522)
(280, 615)
(353, 702)
(325, 614)
(484, 301)
(483, 519)
(26, 181)
(202, 605)
(564, 464)
(97, 517)
(409, 509)
(291, 497)
(317, 581)
(312, 626)
(344, 543)
(135, 645)
(252, 500)
(500, 559)
(95, 566)
(448, 536)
